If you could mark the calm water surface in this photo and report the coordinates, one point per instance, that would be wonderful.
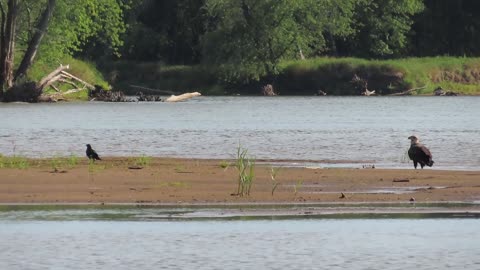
(341, 131)
(260, 244)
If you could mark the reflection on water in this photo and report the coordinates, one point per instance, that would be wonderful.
(259, 244)
(338, 130)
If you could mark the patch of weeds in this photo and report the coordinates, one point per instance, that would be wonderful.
(59, 163)
(56, 163)
(72, 161)
(141, 161)
(246, 171)
(224, 164)
(14, 162)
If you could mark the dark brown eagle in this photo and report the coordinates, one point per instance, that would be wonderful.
(419, 153)
(91, 154)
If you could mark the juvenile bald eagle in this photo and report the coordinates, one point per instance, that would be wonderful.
(91, 154)
(419, 153)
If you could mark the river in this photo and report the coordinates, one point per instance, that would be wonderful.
(32, 240)
(301, 131)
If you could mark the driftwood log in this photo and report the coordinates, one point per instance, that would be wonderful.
(182, 97)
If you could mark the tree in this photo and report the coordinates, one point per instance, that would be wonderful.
(70, 27)
(247, 39)
(382, 27)
(447, 28)
(165, 30)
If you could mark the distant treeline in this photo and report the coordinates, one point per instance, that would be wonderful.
(245, 40)
(173, 31)
(235, 44)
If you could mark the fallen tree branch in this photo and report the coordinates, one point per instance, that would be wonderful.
(46, 79)
(55, 88)
(182, 97)
(408, 91)
(89, 86)
(152, 89)
(50, 82)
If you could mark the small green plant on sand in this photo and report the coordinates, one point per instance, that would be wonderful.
(224, 164)
(143, 161)
(246, 171)
(273, 177)
(72, 161)
(298, 185)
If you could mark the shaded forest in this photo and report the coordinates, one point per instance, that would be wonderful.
(239, 42)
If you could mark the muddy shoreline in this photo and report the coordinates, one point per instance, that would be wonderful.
(170, 181)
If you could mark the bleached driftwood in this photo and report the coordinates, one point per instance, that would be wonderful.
(70, 76)
(368, 92)
(50, 77)
(182, 97)
(60, 75)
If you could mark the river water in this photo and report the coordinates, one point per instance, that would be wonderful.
(445, 243)
(327, 131)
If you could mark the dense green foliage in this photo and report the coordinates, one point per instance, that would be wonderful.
(239, 45)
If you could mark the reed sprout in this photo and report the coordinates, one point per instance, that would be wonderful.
(246, 171)
(273, 176)
(297, 186)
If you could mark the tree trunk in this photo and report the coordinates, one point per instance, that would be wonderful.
(8, 44)
(32, 49)
(2, 44)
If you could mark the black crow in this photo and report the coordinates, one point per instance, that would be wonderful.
(91, 154)
(419, 153)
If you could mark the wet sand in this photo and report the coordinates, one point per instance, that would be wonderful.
(191, 181)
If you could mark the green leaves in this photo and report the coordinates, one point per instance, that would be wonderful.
(78, 24)
(247, 39)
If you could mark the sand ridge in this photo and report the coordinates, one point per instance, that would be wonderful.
(197, 181)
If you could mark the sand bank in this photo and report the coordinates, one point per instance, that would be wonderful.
(190, 181)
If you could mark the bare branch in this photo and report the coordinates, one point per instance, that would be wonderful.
(89, 86)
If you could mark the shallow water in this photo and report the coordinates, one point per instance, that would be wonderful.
(338, 131)
(258, 244)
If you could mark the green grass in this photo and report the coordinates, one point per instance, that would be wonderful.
(298, 77)
(458, 74)
(14, 162)
(224, 164)
(143, 161)
(62, 163)
(84, 70)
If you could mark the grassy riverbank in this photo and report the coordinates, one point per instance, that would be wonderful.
(332, 75)
(85, 70)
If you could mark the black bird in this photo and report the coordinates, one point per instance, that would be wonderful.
(419, 153)
(91, 154)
